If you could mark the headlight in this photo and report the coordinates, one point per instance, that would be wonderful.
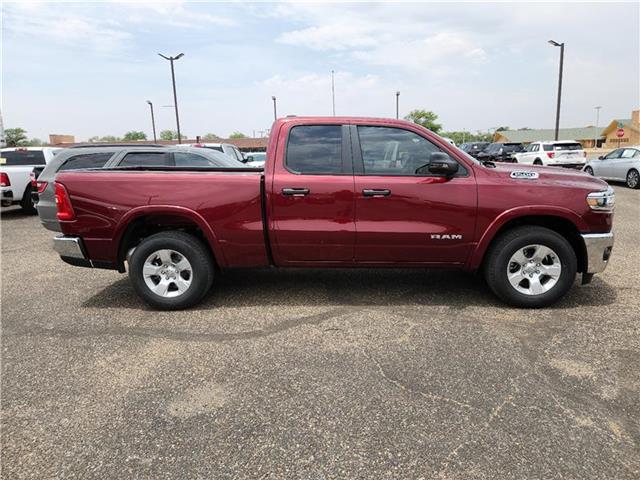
(602, 201)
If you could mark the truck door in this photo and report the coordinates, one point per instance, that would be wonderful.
(312, 196)
(405, 216)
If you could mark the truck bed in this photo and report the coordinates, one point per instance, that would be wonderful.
(228, 203)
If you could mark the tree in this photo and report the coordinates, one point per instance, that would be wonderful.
(170, 135)
(134, 135)
(210, 136)
(15, 137)
(94, 139)
(237, 134)
(109, 138)
(35, 142)
(502, 129)
(425, 118)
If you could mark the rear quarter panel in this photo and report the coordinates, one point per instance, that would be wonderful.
(226, 207)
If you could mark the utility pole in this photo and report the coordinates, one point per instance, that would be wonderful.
(595, 135)
(397, 105)
(275, 112)
(175, 97)
(561, 45)
(333, 93)
(153, 120)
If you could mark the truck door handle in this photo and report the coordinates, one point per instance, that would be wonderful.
(385, 192)
(296, 192)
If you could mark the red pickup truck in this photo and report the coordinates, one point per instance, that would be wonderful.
(339, 192)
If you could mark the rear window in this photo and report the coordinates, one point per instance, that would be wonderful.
(22, 157)
(145, 159)
(86, 160)
(567, 146)
(217, 149)
(315, 149)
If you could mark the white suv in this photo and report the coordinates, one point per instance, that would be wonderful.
(226, 148)
(561, 153)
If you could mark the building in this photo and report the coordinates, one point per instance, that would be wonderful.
(606, 136)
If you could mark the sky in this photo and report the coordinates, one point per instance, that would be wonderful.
(87, 69)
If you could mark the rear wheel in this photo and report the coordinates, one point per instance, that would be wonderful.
(171, 270)
(27, 202)
(530, 267)
(633, 179)
(589, 170)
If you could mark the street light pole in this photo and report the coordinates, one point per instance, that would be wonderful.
(561, 45)
(333, 93)
(397, 105)
(175, 96)
(153, 120)
(275, 114)
(595, 135)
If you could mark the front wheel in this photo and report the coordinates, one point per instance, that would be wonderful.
(530, 267)
(537, 161)
(589, 170)
(27, 202)
(633, 179)
(171, 270)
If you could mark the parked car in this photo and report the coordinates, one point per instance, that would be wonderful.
(226, 148)
(256, 159)
(500, 152)
(561, 153)
(622, 164)
(16, 165)
(332, 195)
(117, 156)
(474, 148)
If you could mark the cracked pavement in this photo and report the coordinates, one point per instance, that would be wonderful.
(317, 374)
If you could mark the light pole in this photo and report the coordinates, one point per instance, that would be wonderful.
(153, 120)
(397, 105)
(333, 93)
(561, 45)
(275, 112)
(595, 135)
(175, 97)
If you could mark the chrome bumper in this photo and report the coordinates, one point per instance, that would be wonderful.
(70, 247)
(598, 246)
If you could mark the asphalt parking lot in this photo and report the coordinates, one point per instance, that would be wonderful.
(317, 374)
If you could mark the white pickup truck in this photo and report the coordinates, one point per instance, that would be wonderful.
(560, 153)
(16, 165)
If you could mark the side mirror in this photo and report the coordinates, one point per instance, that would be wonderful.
(441, 164)
(248, 159)
(601, 157)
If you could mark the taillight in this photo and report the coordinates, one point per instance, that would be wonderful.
(34, 182)
(550, 154)
(63, 204)
(4, 180)
(41, 186)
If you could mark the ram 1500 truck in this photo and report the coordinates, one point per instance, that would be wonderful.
(339, 192)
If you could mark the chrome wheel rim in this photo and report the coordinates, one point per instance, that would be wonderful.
(632, 179)
(589, 170)
(534, 269)
(167, 273)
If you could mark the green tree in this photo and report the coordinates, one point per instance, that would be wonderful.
(35, 142)
(170, 135)
(15, 137)
(237, 134)
(134, 135)
(425, 118)
(109, 138)
(210, 136)
(502, 129)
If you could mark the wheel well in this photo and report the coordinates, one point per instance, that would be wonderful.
(559, 225)
(142, 227)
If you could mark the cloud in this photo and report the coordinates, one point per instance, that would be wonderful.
(336, 36)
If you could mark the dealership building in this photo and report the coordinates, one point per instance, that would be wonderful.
(618, 132)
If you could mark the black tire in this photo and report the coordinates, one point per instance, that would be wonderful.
(188, 246)
(633, 179)
(27, 202)
(589, 170)
(537, 161)
(507, 244)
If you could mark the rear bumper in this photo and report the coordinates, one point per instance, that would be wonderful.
(73, 252)
(598, 246)
(6, 195)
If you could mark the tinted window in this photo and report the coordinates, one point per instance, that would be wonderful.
(614, 154)
(567, 146)
(191, 160)
(393, 151)
(315, 149)
(145, 159)
(22, 157)
(511, 147)
(87, 160)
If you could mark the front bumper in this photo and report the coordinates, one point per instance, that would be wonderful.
(598, 247)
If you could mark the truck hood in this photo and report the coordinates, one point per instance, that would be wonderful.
(548, 175)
